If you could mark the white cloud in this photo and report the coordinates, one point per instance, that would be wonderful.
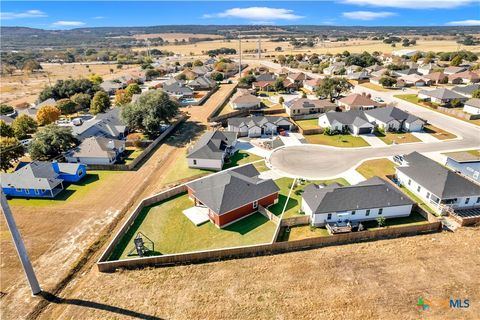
(367, 15)
(98, 17)
(262, 14)
(464, 23)
(65, 23)
(413, 4)
(24, 14)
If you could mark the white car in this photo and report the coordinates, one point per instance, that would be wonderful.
(378, 99)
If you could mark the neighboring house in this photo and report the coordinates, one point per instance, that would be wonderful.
(472, 106)
(202, 83)
(297, 78)
(265, 77)
(256, 126)
(263, 85)
(6, 119)
(440, 95)
(233, 194)
(452, 70)
(110, 86)
(304, 106)
(96, 150)
(312, 84)
(379, 73)
(211, 150)
(178, 89)
(364, 201)
(392, 118)
(464, 77)
(282, 72)
(416, 80)
(357, 101)
(202, 70)
(374, 68)
(353, 121)
(32, 111)
(437, 77)
(40, 179)
(108, 124)
(404, 72)
(464, 162)
(360, 75)
(243, 99)
(405, 52)
(334, 68)
(428, 68)
(436, 185)
(466, 90)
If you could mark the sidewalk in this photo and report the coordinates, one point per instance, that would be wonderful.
(373, 140)
(425, 137)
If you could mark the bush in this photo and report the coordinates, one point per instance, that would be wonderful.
(66, 106)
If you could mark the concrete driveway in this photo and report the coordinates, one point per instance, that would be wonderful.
(373, 140)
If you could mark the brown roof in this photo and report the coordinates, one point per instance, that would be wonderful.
(313, 82)
(263, 84)
(308, 103)
(359, 100)
(298, 76)
(245, 97)
(464, 75)
(436, 76)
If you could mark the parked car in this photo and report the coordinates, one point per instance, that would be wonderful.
(398, 159)
(378, 99)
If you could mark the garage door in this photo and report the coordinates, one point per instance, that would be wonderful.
(364, 130)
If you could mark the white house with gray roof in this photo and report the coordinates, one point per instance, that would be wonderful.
(394, 119)
(364, 201)
(472, 106)
(211, 150)
(436, 185)
(96, 150)
(467, 90)
(440, 95)
(108, 124)
(255, 126)
(353, 121)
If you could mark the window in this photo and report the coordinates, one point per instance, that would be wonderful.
(37, 191)
(419, 188)
(478, 200)
(409, 181)
(195, 162)
(255, 204)
(27, 191)
(18, 189)
(353, 212)
(380, 211)
(428, 195)
(80, 172)
(467, 200)
(329, 216)
(367, 213)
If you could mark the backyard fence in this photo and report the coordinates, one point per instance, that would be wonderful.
(269, 215)
(307, 132)
(295, 221)
(465, 221)
(220, 104)
(459, 113)
(144, 154)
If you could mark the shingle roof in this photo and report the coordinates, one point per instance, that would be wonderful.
(309, 103)
(35, 175)
(97, 147)
(441, 93)
(464, 75)
(437, 179)
(358, 100)
(372, 193)
(352, 117)
(436, 76)
(107, 124)
(212, 145)
(232, 189)
(245, 97)
(255, 121)
(466, 90)
(452, 70)
(388, 114)
(474, 102)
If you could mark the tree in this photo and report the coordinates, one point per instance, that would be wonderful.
(121, 97)
(278, 85)
(197, 63)
(281, 59)
(6, 109)
(50, 142)
(82, 100)
(67, 88)
(456, 103)
(95, 78)
(133, 88)
(387, 81)
(381, 221)
(100, 102)
(6, 130)
(456, 61)
(333, 87)
(47, 115)
(24, 125)
(247, 80)
(11, 150)
(216, 76)
(152, 109)
(151, 73)
(281, 100)
(66, 106)
(476, 94)
(31, 65)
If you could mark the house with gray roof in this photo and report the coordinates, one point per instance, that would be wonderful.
(465, 162)
(440, 96)
(364, 201)
(96, 150)
(472, 106)
(212, 150)
(394, 119)
(111, 86)
(40, 179)
(243, 99)
(233, 194)
(255, 126)
(108, 124)
(439, 187)
(304, 106)
(353, 121)
(178, 89)
(202, 83)
(466, 90)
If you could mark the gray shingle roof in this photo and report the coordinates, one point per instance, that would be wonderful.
(437, 179)
(441, 93)
(372, 193)
(474, 102)
(352, 117)
(98, 147)
(466, 90)
(108, 124)
(388, 114)
(232, 189)
(309, 103)
(35, 175)
(255, 121)
(212, 145)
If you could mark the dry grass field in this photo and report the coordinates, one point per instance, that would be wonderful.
(374, 280)
(176, 36)
(22, 87)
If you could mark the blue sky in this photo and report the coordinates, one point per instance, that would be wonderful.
(69, 14)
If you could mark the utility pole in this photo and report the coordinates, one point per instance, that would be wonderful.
(240, 57)
(19, 246)
(259, 48)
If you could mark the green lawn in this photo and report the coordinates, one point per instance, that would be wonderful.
(338, 140)
(172, 232)
(396, 137)
(181, 171)
(93, 180)
(376, 167)
(373, 86)
(294, 203)
(305, 232)
(438, 133)
(308, 124)
(132, 154)
(414, 218)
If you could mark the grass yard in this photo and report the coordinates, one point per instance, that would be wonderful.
(373, 86)
(293, 205)
(414, 218)
(396, 137)
(132, 154)
(308, 124)
(412, 98)
(376, 167)
(75, 191)
(172, 232)
(438, 133)
(338, 140)
(304, 232)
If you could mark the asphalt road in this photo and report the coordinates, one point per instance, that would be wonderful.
(323, 162)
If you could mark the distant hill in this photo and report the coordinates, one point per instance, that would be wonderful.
(18, 38)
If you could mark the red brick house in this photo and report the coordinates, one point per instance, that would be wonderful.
(233, 194)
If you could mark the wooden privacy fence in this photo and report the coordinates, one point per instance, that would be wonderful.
(220, 104)
(257, 250)
(307, 132)
(269, 215)
(465, 221)
(295, 221)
